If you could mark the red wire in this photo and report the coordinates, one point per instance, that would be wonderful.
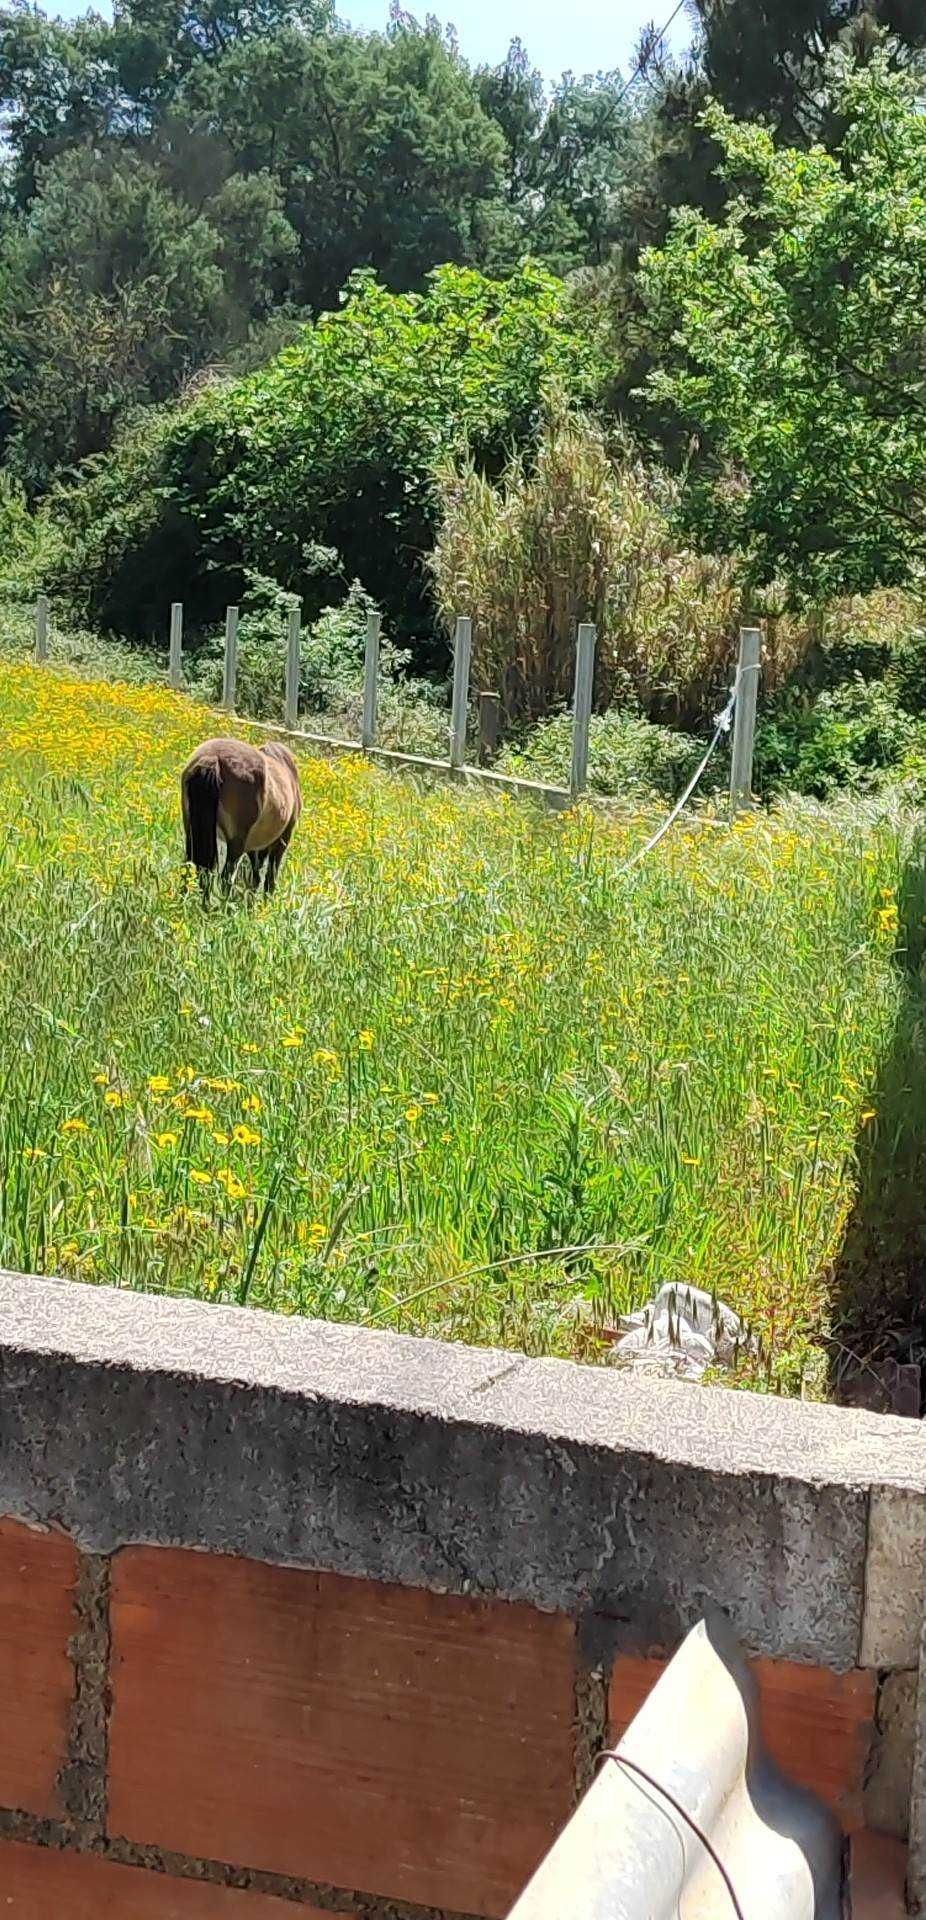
(709, 1848)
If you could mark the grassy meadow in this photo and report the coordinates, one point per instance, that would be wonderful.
(462, 1075)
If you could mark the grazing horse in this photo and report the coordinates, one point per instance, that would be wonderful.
(250, 796)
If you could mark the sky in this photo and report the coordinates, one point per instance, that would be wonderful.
(584, 34)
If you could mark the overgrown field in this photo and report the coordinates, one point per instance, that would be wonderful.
(462, 1074)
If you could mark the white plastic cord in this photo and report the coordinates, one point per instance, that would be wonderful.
(722, 725)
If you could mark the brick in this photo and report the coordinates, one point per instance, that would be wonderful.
(36, 1882)
(877, 1868)
(817, 1725)
(38, 1574)
(380, 1739)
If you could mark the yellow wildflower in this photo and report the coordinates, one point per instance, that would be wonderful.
(202, 1179)
(293, 1039)
(252, 1103)
(412, 1115)
(221, 1139)
(366, 1038)
(114, 1098)
(167, 1139)
(245, 1136)
(158, 1083)
(233, 1186)
(75, 1125)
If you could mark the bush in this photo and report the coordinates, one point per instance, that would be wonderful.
(849, 737)
(907, 672)
(333, 442)
(627, 755)
(332, 652)
(581, 531)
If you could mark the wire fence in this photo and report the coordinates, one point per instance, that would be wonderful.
(738, 715)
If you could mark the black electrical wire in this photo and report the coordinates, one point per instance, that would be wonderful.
(632, 1767)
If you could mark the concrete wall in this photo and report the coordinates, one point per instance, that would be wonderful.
(294, 1614)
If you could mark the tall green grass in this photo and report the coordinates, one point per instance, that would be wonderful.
(463, 1074)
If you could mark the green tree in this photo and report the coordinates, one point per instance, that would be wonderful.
(384, 154)
(110, 291)
(800, 329)
(767, 58)
(332, 446)
(572, 159)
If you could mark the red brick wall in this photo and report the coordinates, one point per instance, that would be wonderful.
(271, 1741)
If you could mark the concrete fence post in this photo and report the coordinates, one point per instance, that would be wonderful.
(41, 628)
(462, 650)
(291, 704)
(582, 706)
(744, 719)
(175, 663)
(371, 680)
(230, 675)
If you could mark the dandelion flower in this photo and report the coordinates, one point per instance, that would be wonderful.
(163, 1140)
(245, 1136)
(252, 1103)
(292, 1039)
(202, 1179)
(74, 1126)
(158, 1083)
(366, 1038)
(114, 1098)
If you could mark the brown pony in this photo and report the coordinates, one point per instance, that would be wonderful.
(250, 796)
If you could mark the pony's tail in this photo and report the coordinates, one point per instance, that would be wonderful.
(201, 815)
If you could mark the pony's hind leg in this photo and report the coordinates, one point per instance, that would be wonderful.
(258, 866)
(274, 858)
(234, 850)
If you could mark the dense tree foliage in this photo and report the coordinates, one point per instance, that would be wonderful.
(260, 275)
(802, 327)
(768, 58)
(318, 469)
(180, 178)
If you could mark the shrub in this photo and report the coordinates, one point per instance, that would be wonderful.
(581, 531)
(333, 442)
(627, 755)
(331, 658)
(848, 737)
